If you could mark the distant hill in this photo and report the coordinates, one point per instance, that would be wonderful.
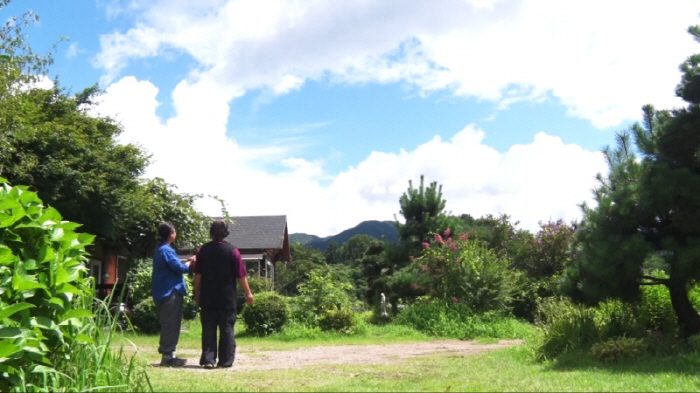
(376, 229)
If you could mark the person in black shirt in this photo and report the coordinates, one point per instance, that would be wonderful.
(218, 266)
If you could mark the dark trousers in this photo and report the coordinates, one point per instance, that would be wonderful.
(223, 319)
(170, 317)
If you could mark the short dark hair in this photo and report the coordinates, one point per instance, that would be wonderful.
(164, 230)
(218, 230)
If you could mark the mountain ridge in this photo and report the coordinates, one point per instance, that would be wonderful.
(374, 228)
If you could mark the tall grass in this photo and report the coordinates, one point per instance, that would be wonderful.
(92, 365)
(441, 319)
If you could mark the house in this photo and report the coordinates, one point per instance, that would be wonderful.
(263, 241)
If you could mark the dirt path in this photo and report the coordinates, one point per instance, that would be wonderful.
(345, 354)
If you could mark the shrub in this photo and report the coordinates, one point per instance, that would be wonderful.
(566, 327)
(144, 317)
(618, 348)
(267, 314)
(259, 284)
(467, 272)
(442, 319)
(657, 309)
(47, 315)
(320, 294)
(341, 320)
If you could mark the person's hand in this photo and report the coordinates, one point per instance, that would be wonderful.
(192, 259)
(249, 298)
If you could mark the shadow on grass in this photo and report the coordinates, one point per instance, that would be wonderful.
(680, 363)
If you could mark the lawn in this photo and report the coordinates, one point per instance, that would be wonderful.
(509, 369)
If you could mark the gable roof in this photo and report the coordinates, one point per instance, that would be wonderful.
(257, 232)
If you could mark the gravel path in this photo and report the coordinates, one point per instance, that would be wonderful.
(344, 354)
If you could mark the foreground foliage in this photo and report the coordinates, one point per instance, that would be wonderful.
(49, 334)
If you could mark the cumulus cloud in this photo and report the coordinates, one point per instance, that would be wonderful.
(537, 181)
(602, 59)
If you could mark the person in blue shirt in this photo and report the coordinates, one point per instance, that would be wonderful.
(168, 287)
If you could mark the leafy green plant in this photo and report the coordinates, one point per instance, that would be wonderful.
(341, 320)
(266, 315)
(619, 348)
(320, 294)
(259, 284)
(46, 297)
(442, 319)
(465, 271)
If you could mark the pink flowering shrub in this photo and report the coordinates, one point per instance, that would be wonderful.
(459, 270)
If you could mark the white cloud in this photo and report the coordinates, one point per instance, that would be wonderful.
(602, 59)
(541, 180)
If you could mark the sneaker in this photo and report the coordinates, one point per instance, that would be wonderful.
(209, 365)
(173, 362)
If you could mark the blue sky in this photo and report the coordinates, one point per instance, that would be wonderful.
(324, 110)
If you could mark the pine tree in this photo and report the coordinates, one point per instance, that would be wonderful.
(648, 209)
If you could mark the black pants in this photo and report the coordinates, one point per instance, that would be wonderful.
(170, 317)
(223, 319)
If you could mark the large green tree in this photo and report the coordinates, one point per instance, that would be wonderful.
(49, 141)
(648, 208)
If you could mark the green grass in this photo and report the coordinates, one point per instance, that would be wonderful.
(510, 369)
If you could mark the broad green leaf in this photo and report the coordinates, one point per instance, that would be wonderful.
(8, 348)
(57, 301)
(84, 339)
(2, 179)
(41, 369)
(86, 238)
(46, 253)
(10, 310)
(28, 225)
(70, 225)
(57, 234)
(68, 288)
(6, 255)
(61, 275)
(10, 332)
(29, 197)
(74, 314)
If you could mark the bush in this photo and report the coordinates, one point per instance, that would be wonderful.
(319, 295)
(467, 272)
(657, 309)
(144, 317)
(338, 320)
(258, 284)
(442, 319)
(618, 348)
(48, 316)
(566, 327)
(267, 314)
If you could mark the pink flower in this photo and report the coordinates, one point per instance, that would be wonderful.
(438, 239)
(453, 246)
(423, 267)
(414, 286)
(447, 232)
(454, 300)
(464, 236)
(426, 245)
(539, 241)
